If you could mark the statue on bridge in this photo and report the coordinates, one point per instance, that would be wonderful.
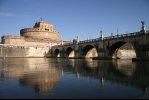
(143, 26)
(101, 35)
(77, 39)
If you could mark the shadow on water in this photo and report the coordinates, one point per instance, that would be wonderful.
(45, 75)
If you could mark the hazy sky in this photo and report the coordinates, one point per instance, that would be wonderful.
(83, 18)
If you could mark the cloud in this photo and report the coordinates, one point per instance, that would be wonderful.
(6, 14)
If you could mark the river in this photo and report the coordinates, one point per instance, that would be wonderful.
(51, 78)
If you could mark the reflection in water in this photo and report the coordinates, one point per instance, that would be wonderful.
(91, 64)
(78, 78)
(127, 67)
(31, 71)
(42, 81)
(123, 72)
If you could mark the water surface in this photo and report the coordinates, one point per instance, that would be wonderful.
(35, 78)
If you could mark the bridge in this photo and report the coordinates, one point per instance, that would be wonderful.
(105, 47)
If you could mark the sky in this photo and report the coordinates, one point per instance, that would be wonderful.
(82, 18)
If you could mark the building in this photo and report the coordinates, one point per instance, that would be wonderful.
(32, 42)
(42, 34)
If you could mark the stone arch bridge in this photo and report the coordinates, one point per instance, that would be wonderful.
(104, 47)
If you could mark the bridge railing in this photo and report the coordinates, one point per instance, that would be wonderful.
(114, 37)
(90, 40)
(122, 35)
(84, 41)
(107, 38)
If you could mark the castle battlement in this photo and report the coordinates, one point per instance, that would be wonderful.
(25, 30)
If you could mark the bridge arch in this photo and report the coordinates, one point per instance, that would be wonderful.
(70, 52)
(89, 51)
(122, 50)
(57, 53)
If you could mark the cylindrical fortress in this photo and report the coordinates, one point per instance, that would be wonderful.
(41, 30)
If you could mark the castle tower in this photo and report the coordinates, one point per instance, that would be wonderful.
(41, 30)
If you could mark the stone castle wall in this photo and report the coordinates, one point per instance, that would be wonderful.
(23, 51)
(41, 35)
(17, 40)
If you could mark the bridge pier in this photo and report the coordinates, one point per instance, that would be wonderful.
(142, 56)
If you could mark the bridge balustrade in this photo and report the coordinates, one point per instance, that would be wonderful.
(107, 38)
(118, 36)
(91, 40)
(66, 44)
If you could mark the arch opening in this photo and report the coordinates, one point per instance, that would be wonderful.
(89, 52)
(69, 52)
(57, 53)
(122, 50)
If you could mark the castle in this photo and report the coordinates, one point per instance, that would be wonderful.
(32, 42)
(42, 34)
